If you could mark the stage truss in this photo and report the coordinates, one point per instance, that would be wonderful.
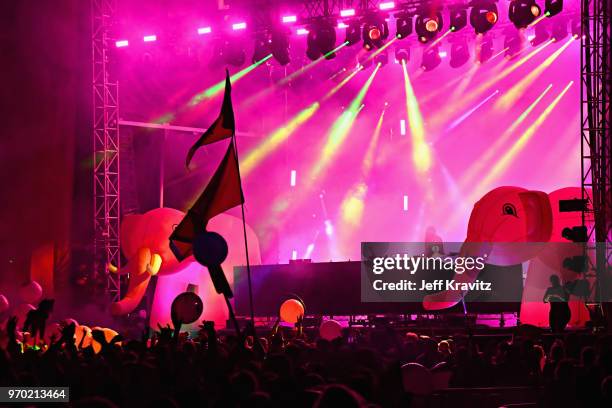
(106, 197)
(596, 148)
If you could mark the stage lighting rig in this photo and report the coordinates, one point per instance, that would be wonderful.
(541, 34)
(428, 24)
(279, 45)
(457, 17)
(353, 32)
(431, 58)
(523, 12)
(382, 59)
(402, 54)
(553, 7)
(483, 15)
(512, 44)
(559, 28)
(375, 31)
(460, 53)
(403, 25)
(321, 40)
(485, 50)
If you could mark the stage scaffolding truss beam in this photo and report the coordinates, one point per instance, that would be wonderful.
(596, 149)
(106, 192)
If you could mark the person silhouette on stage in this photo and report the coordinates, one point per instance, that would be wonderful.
(557, 295)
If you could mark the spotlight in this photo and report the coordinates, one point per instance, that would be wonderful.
(427, 25)
(458, 18)
(321, 40)
(541, 34)
(382, 59)
(576, 27)
(375, 31)
(279, 44)
(512, 44)
(403, 25)
(485, 50)
(460, 53)
(559, 28)
(523, 12)
(431, 58)
(483, 15)
(353, 32)
(261, 47)
(402, 54)
(553, 7)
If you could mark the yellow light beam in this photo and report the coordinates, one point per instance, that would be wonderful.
(506, 159)
(421, 155)
(341, 128)
(440, 38)
(261, 151)
(518, 88)
(492, 151)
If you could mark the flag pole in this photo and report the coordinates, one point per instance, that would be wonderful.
(246, 245)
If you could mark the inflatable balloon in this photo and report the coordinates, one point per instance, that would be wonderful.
(4, 304)
(144, 242)
(30, 292)
(417, 379)
(330, 329)
(82, 336)
(508, 224)
(109, 334)
(291, 310)
(186, 308)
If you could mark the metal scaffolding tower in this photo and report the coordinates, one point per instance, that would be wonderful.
(595, 141)
(106, 200)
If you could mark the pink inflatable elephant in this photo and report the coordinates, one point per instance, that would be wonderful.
(501, 220)
(144, 241)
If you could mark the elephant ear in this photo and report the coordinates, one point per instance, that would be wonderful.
(132, 234)
(538, 215)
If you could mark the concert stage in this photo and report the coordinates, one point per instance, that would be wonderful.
(307, 202)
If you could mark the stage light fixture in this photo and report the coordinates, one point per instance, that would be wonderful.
(121, 43)
(321, 40)
(402, 54)
(512, 44)
(204, 30)
(541, 34)
(239, 26)
(485, 51)
(353, 32)
(523, 12)
(428, 24)
(553, 7)
(403, 25)
(279, 45)
(431, 58)
(457, 17)
(289, 19)
(576, 27)
(483, 15)
(375, 31)
(382, 59)
(559, 28)
(460, 53)
(149, 38)
(347, 13)
(387, 5)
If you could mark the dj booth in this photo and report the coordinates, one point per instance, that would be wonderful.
(334, 288)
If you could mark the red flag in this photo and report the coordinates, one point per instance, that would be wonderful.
(222, 128)
(222, 193)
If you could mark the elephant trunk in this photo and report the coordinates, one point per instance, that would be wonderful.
(140, 271)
